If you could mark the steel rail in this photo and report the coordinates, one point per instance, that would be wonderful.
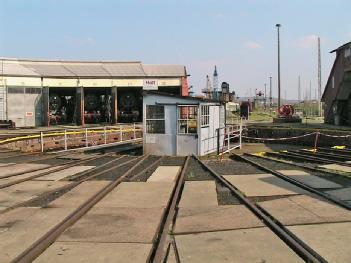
(328, 155)
(133, 177)
(296, 164)
(47, 239)
(60, 168)
(317, 158)
(296, 244)
(71, 185)
(298, 157)
(341, 151)
(162, 242)
(43, 168)
(295, 182)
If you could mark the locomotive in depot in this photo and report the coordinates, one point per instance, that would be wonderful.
(97, 107)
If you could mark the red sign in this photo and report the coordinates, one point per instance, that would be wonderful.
(29, 114)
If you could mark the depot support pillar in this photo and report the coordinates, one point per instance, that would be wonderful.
(80, 106)
(114, 105)
(45, 100)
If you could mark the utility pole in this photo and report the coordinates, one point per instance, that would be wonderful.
(319, 78)
(215, 84)
(278, 26)
(270, 92)
(265, 96)
(299, 90)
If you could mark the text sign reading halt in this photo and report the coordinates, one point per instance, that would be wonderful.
(150, 84)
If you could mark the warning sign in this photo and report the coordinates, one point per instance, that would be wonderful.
(29, 114)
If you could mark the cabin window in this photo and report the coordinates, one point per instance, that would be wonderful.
(187, 119)
(205, 115)
(155, 119)
(347, 52)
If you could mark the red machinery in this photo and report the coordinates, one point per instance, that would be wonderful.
(286, 111)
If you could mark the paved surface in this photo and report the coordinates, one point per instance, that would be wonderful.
(305, 210)
(199, 193)
(263, 185)
(138, 195)
(95, 252)
(315, 181)
(337, 167)
(21, 227)
(111, 224)
(215, 218)
(342, 194)
(59, 175)
(171, 256)
(26, 175)
(79, 194)
(292, 172)
(332, 241)
(6, 164)
(20, 168)
(243, 245)
(165, 174)
(18, 193)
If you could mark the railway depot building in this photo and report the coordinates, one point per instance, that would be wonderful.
(337, 93)
(49, 92)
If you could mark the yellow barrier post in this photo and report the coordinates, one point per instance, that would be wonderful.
(86, 137)
(65, 138)
(42, 141)
(120, 133)
(134, 133)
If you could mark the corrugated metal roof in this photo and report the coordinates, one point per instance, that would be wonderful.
(69, 69)
(164, 70)
(124, 69)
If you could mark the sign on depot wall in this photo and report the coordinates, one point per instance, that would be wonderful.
(150, 84)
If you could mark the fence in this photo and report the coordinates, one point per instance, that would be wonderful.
(90, 137)
(229, 137)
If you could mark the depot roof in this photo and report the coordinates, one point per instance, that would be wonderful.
(86, 69)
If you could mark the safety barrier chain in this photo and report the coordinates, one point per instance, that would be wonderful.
(296, 137)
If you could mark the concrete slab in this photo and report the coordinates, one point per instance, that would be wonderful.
(79, 194)
(199, 193)
(215, 218)
(337, 167)
(310, 180)
(263, 185)
(20, 168)
(331, 241)
(304, 209)
(6, 164)
(316, 182)
(21, 192)
(56, 176)
(244, 245)
(342, 194)
(24, 176)
(98, 252)
(138, 195)
(165, 174)
(21, 227)
(115, 224)
(292, 172)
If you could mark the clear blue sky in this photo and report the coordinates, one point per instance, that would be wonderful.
(237, 36)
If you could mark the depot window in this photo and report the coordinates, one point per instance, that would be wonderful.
(187, 119)
(155, 119)
(205, 115)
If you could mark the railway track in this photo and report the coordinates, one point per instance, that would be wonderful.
(296, 182)
(165, 238)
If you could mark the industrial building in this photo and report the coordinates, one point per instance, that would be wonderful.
(175, 125)
(337, 93)
(51, 92)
